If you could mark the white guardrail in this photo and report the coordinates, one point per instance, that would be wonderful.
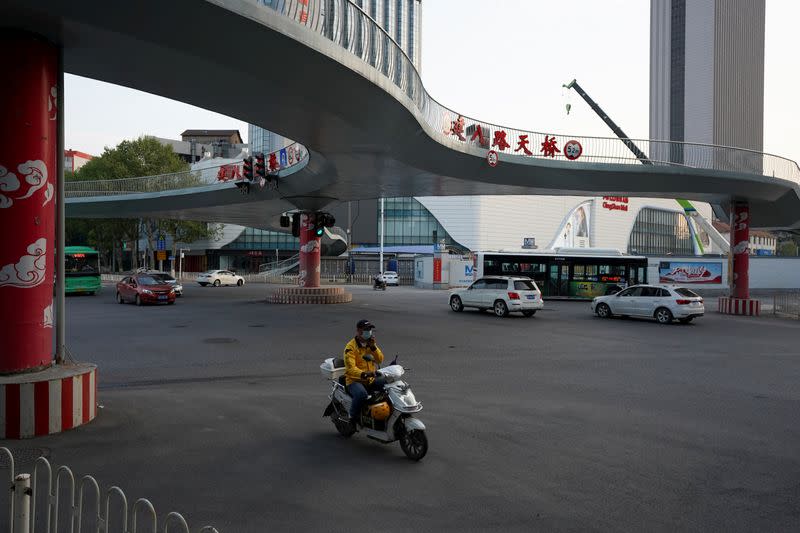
(347, 25)
(188, 179)
(84, 509)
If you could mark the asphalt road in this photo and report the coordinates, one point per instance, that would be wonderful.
(561, 422)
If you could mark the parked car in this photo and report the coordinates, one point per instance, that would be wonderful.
(144, 288)
(219, 277)
(502, 294)
(169, 280)
(390, 278)
(665, 303)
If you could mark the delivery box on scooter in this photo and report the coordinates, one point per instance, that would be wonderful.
(332, 367)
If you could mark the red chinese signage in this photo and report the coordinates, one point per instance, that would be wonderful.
(228, 173)
(437, 270)
(615, 203)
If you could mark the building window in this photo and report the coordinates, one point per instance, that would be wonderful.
(660, 232)
(407, 222)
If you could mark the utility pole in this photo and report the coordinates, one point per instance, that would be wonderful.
(382, 231)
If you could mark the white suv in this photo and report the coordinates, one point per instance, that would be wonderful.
(665, 303)
(502, 294)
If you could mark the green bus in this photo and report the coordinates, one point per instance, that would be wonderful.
(81, 270)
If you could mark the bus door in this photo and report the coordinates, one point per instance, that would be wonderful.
(558, 280)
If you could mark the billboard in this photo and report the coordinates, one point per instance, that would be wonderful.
(689, 272)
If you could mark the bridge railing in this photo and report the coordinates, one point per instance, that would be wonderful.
(347, 25)
(230, 172)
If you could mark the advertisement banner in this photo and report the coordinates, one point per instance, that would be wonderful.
(685, 272)
(284, 158)
(437, 270)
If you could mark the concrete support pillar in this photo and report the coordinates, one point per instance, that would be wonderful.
(28, 169)
(739, 301)
(740, 248)
(309, 253)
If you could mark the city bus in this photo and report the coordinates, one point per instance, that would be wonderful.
(567, 273)
(81, 270)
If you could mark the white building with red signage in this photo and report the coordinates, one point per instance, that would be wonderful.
(644, 226)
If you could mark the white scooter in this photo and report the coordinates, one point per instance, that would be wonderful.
(387, 416)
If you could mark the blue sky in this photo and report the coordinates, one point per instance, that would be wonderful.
(503, 64)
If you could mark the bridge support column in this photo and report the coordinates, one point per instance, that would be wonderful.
(309, 253)
(28, 176)
(739, 301)
(310, 290)
(36, 397)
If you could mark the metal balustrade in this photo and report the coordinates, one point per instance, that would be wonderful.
(170, 182)
(77, 506)
(348, 26)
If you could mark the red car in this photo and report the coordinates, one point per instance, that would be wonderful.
(144, 289)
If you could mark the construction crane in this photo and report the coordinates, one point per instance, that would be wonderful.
(687, 206)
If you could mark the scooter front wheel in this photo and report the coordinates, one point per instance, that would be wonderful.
(414, 444)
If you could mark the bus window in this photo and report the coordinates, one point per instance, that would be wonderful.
(510, 268)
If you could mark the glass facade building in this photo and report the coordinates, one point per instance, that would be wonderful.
(408, 222)
(660, 232)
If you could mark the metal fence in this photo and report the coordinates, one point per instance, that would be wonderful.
(227, 173)
(78, 506)
(348, 26)
(786, 304)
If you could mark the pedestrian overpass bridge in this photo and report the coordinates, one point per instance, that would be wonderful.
(324, 73)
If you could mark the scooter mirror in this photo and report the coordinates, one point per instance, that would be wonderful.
(368, 357)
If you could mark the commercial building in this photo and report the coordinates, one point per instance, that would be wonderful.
(73, 160)
(707, 74)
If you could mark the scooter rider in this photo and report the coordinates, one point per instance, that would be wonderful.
(360, 374)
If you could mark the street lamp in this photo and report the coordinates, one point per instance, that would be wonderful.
(180, 261)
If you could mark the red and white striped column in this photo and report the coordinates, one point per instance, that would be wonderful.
(36, 406)
(27, 193)
(739, 302)
(309, 253)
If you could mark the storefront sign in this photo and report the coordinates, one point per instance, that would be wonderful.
(689, 272)
(615, 203)
(492, 158)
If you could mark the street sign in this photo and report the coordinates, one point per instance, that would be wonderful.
(492, 158)
(161, 255)
(529, 242)
(172, 258)
(573, 150)
(161, 243)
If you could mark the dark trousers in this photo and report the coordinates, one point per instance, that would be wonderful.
(359, 392)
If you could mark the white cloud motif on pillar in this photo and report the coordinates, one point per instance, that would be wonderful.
(29, 270)
(47, 318)
(35, 177)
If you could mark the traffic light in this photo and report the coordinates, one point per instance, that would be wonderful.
(322, 221)
(296, 224)
(260, 167)
(247, 170)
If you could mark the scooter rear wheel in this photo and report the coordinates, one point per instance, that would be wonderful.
(414, 444)
(345, 430)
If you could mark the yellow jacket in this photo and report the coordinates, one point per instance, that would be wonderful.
(354, 363)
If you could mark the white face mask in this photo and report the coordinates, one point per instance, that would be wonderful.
(367, 334)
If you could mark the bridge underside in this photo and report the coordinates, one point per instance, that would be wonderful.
(366, 141)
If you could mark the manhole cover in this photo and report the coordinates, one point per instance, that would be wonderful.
(23, 456)
(220, 340)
